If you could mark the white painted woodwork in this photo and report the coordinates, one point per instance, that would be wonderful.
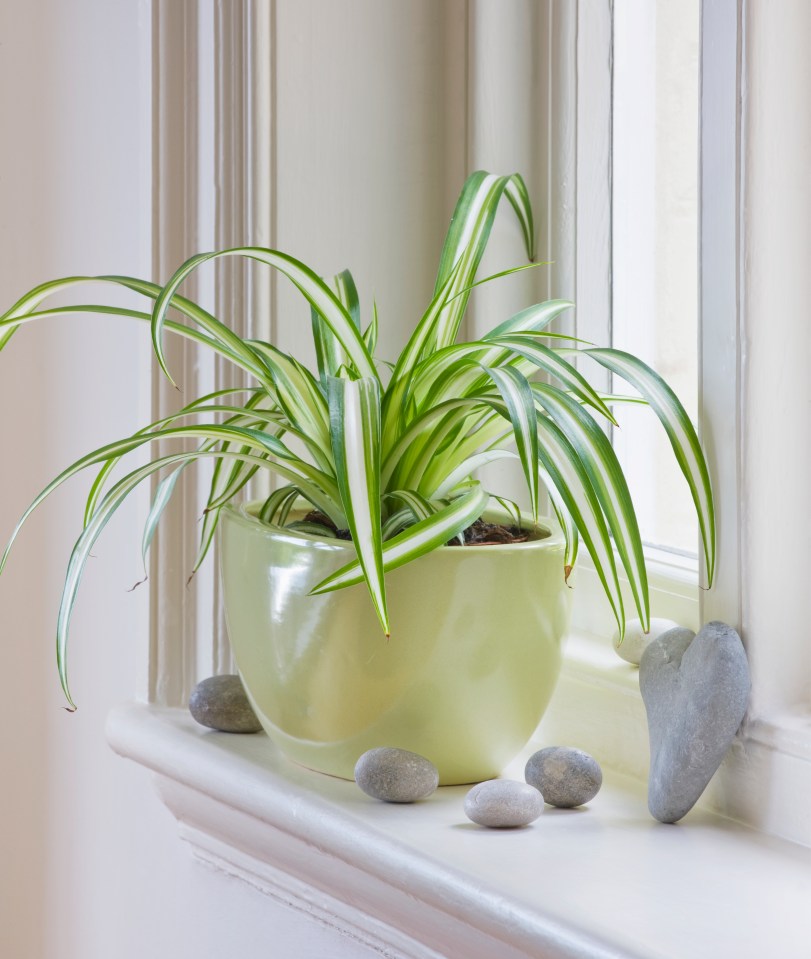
(419, 880)
(774, 746)
(775, 346)
(593, 181)
(720, 283)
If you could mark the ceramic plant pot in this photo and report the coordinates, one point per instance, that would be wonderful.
(471, 664)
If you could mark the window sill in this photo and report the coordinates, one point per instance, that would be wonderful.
(417, 881)
(764, 782)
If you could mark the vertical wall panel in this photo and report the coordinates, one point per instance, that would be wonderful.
(504, 101)
(370, 151)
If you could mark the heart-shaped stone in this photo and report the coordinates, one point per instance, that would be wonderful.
(695, 689)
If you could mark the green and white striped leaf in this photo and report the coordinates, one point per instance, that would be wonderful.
(411, 439)
(517, 395)
(160, 500)
(510, 507)
(420, 506)
(549, 360)
(396, 398)
(311, 529)
(330, 355)
(257, 440)
(473, 218)
(370, 335)
(565, 521)
(249, 364)
(681, 433)
(417, 540)
(467, 238)
(444, 374)
(312, 287)
(415, 508)
(600, 461)
(111, 502)
(396, 522)
(198, 407)
(211, 520)
(274, 504)
(304, 404)
(569, 476)
(466, 469)
(482, 430)
(354, 407)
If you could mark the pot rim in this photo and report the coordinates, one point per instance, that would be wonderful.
(243, 514)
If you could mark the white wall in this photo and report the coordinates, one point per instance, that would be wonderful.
(91, 864)
(92, 867)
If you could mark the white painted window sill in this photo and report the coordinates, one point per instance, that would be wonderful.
(421, 881)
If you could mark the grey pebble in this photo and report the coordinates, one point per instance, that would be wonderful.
(220, 702)
(395, 775)
(566, 777)
(636, 641)
(502, 803)
(695, 689)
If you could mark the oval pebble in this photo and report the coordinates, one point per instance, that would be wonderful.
(395, 775)
(636, 641)
(220, 702)
(503, 803)
(565, 776)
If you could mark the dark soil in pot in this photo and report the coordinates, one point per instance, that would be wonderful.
(480, 533)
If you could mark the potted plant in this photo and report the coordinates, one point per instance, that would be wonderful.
(377, 466)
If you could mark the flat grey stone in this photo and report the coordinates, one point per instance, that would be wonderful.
(220, 702)
(503, 803)
(566, 777)
(395, 775)
(636, 641)
(695, 689)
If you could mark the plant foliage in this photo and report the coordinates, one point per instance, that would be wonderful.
(391, 458)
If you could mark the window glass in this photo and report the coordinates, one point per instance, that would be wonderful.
(655, 244)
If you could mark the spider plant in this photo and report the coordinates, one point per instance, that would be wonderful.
(391, 452)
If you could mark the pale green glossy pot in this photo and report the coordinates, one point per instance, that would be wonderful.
(471, 664)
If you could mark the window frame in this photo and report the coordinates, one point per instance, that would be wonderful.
(768, 770)
(673, 578)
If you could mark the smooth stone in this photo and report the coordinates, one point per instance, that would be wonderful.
(636, 641)
(565, 776)
(503, 803)
(395, 775)
(695, 689)
(220, 702)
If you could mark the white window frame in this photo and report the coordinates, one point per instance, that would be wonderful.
(766, 778)
(224, 137)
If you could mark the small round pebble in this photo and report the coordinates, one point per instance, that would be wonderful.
(396, 775)
(220, 702)
(636, 641)
(503, 803)
(565, 776)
